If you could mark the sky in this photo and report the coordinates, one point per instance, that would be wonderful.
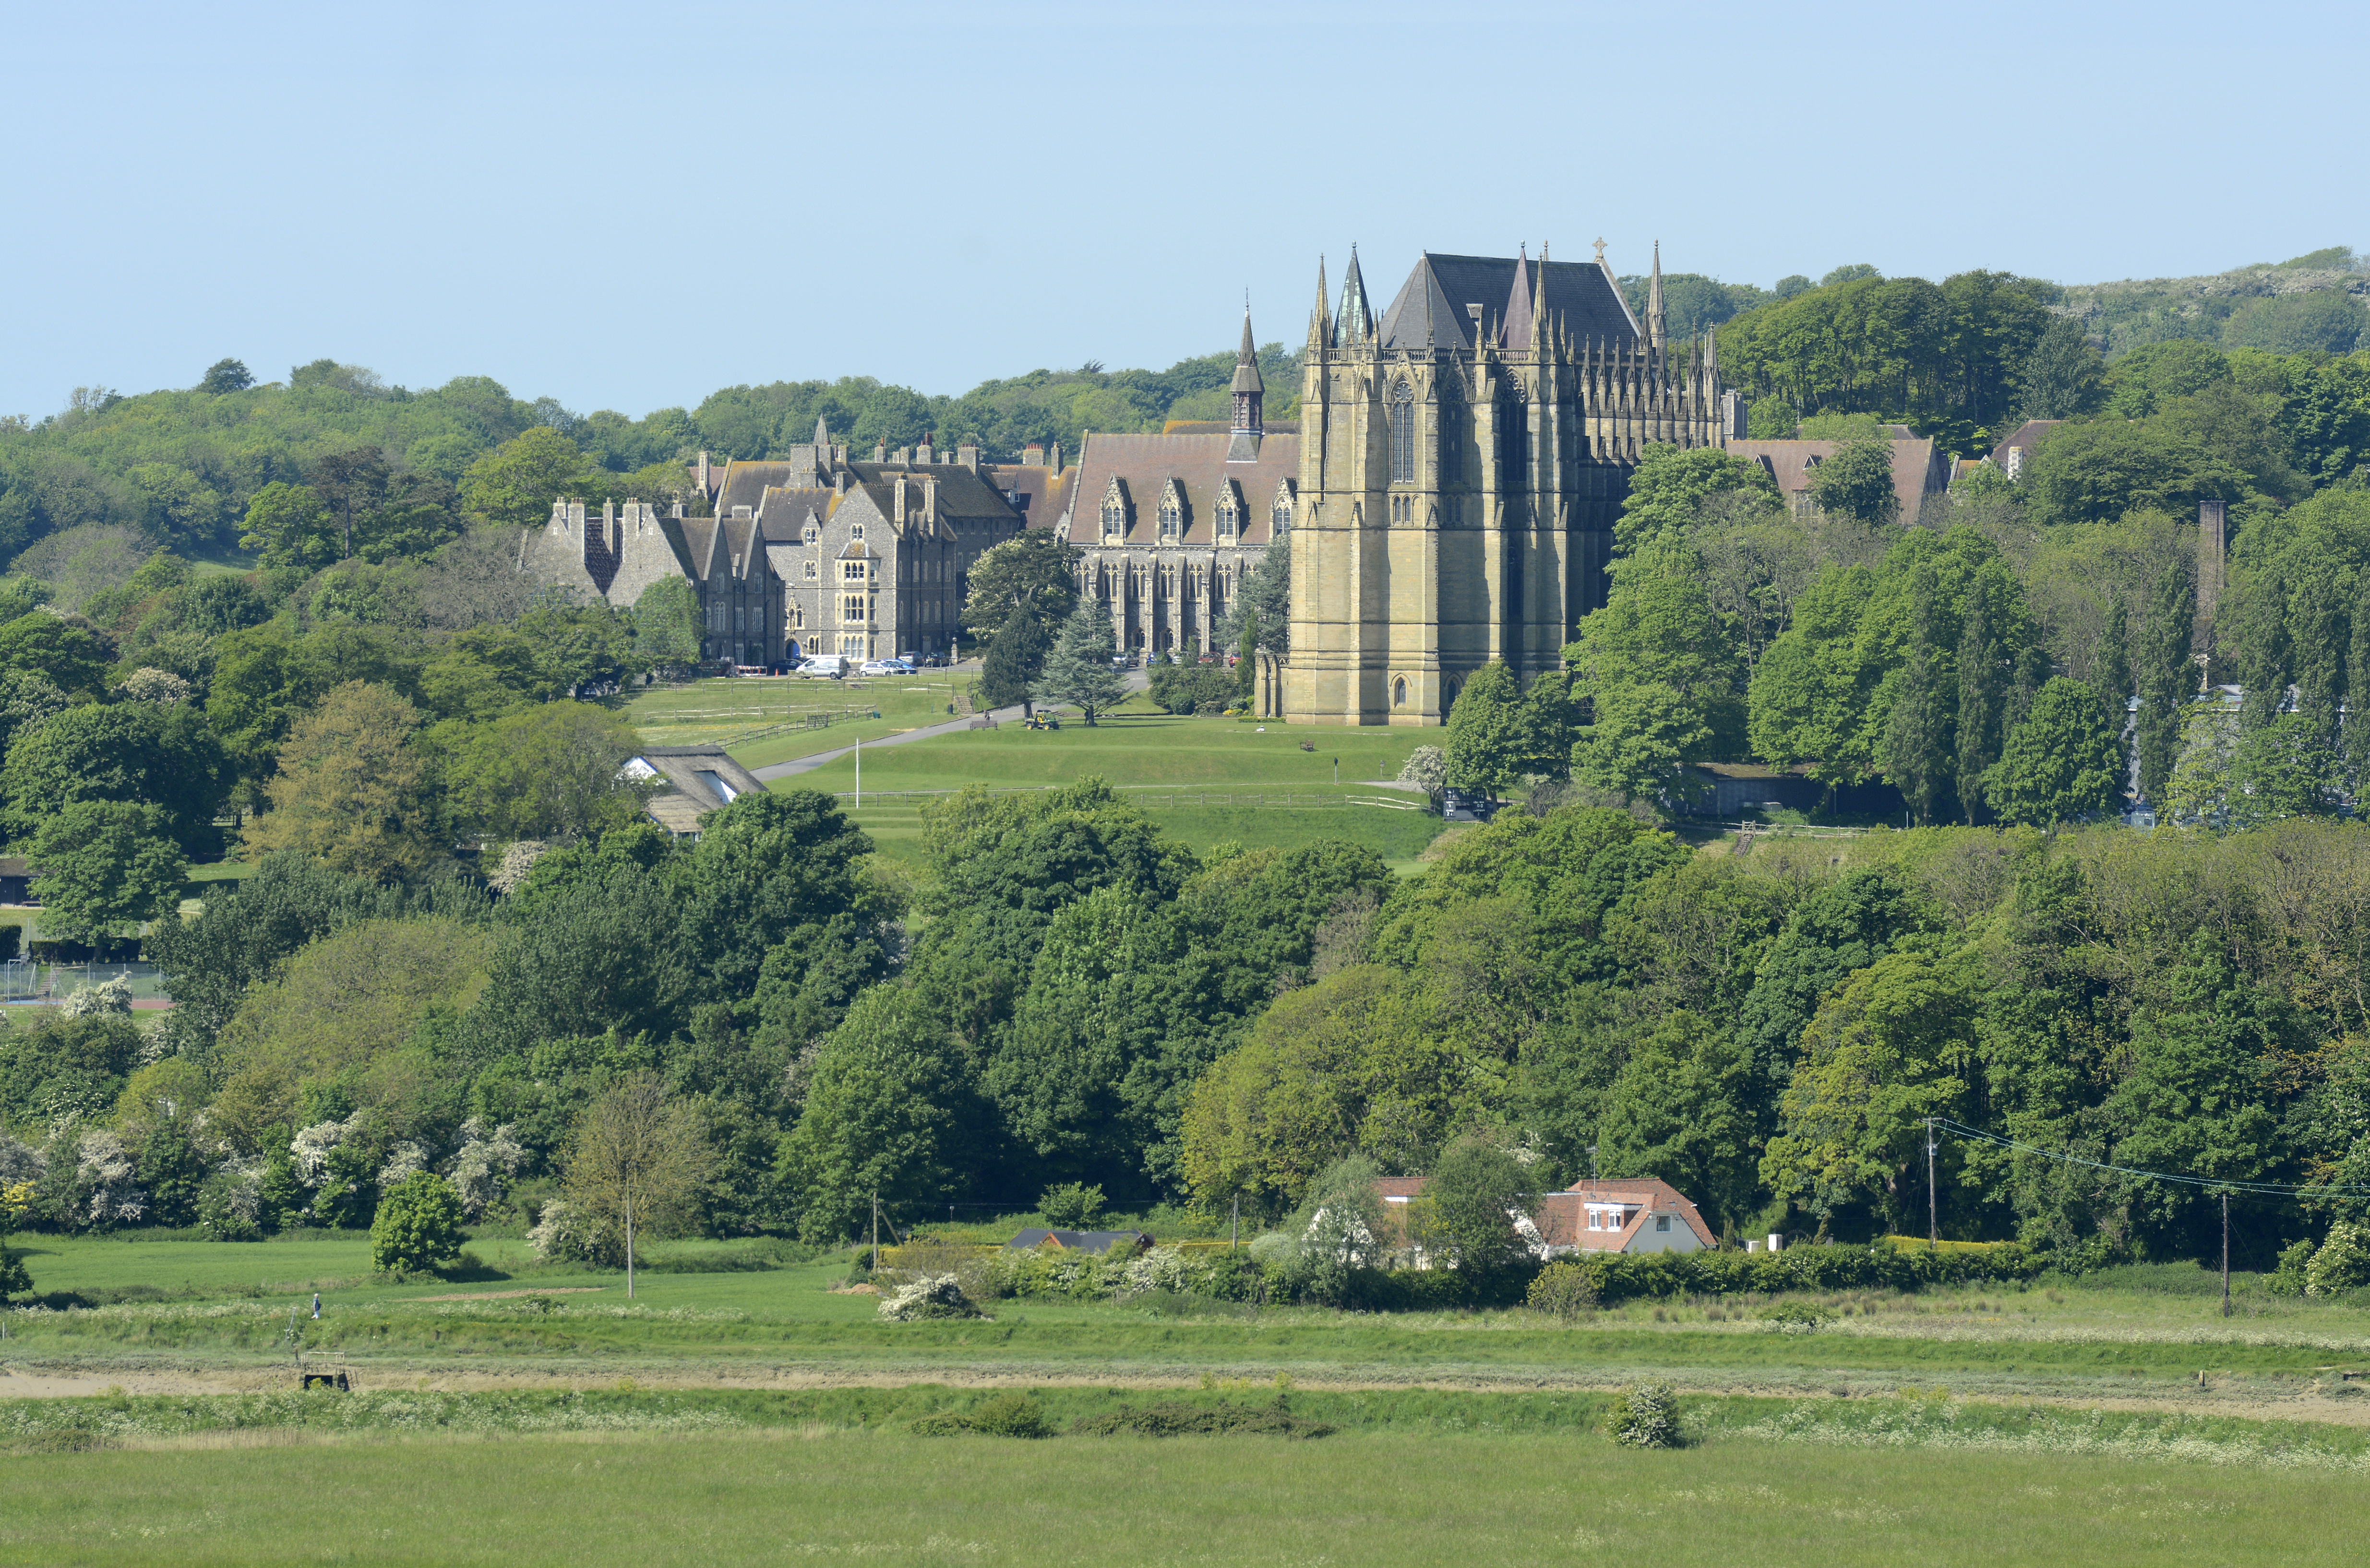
(629, 206)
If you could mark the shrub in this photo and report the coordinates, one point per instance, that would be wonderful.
(13, 1280)
(1645, 1417)
(1563, 1290)
(931, 1296)
(2342, 1263)
(2288, 1278)
(1176, 1418)
(565, 1233)
(1076, 1207)
(418, 1226)
(1799, 1317)
(1005, 1416)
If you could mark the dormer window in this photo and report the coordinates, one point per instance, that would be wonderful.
(1114, 514)
(1280, 514)
(1230, 514)
(856, 531)
(814, 534)
(1172, 514)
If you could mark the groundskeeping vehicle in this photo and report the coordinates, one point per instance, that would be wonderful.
(830, 666)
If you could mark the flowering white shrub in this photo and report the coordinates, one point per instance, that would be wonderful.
(486, 1159)
(563, 1231)
(108, 996)
(931, 1296)
(1162, 1268)
(311, 1146)
(149, 684)
(105, 1171)
(2342, 1263)
(401, 1160)
(518, 859)
(19, 1162)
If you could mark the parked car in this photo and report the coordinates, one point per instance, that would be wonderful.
(884, 667)
(830, 666)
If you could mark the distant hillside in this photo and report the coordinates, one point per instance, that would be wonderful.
(2319, 302)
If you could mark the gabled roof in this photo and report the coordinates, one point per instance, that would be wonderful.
(782, 512)
(1037, 493)
(704, 777)
(1429, 310)
(1146, 466)
(2028, 435)
(961, 493)
(1917, 468)
(1563, 1216)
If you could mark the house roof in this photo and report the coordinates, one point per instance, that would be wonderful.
(961, 493)
(1078, 1241)
(1146, 465)
(1037, 493)
(1563, 1217)
(1917, 468)
(704, 777)
(2028, 435)
(1429, 310)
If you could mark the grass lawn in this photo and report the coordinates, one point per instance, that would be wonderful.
(1373, 1498)
(895, 825)
(747, 714)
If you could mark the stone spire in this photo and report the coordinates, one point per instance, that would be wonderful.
(1249, 393)
(1320, 320)
(1658, 333)
(1356, 321)
(822, 437)
(1516, 332)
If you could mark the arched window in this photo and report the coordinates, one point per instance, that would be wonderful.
(1402, 434)
(1114, 514)
(1170, 522)
(1399, 693)
(1230, 520)
(1279, 516)
(1513, 444)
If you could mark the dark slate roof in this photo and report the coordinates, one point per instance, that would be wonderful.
(783, 512)
(1039, 494)
(1145, 463)
(961, 493)
(1430, 309)
(1078, 1241)
(2028, 435)
(745, 484)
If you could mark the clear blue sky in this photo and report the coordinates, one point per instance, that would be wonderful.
(628, 206)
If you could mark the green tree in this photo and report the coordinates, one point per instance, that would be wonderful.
(666, 624)
(1016, 656)
(352, 789)
(887, 1113)
(225, 376)
(1265, 597)
(1894, 1046)
(289, 525)
(1470, 1206)
(1661, 675)
(2167, 677)
(2062, 762)
(637, 1162)
(106, 867)
(1037, 572)
(1670, 484)
(1489, 732)
(2102, 471)
(1682, 1109)
(417, 1225)
(1078, 671)
(551, 770)
(2283, 769)
(70, 657)
(516, 483)
(1918, 729)
(147, 754)
(2064, 379)
(1857, 483)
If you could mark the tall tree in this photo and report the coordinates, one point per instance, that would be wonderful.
(1078, 671)
(1981, 691)
(106, 867)
(1488, 740)
(1037, 572)
(1015, 658)
(2110, 674)
(638, 1160)
(2065, 378)
(353, 790)
(516, 484)
(2062, 762)
(1917, 731)
(2167, 677)
(1857, 482)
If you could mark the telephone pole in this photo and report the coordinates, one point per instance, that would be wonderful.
(2226, 1252)
(1933, 1205)
(876, 1233)
(1235, 1223)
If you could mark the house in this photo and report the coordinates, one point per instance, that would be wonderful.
(15, 881)
(1919, 468)
(1642, 1215)
(1038, 1240)
(2012, 454)
(698, 780)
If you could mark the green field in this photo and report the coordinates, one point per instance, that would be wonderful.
(894, 823)
(821, 1491)
(763, 719)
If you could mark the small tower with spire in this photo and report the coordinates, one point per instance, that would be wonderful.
(1249, 395)
(1355, 322)
(1657, 330)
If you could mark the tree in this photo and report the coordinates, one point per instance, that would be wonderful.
(1262, 612)
(2104, 470)
(72, 657)
(353, 790)
(106, 867)
(225, 376)
(2284, 769)
(1917, 731)
(516, 483)
(1078, 671)
(638, 1160)
(2062, 762)
(1339, 1227)
(148, 754)
(1036, 572)
(1669, 485)
(1682, 1110)
(1857, 483)
(666, 624)
(1467, 1210)
(886, 1114)
(290, 526)
(1489, 742)
(1659, 671)
(2167, 677)
(2064, 379)
(419, 1226)
(551, 770)
(1014, 659)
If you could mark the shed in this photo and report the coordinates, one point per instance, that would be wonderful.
(15, 881)
(700, 779)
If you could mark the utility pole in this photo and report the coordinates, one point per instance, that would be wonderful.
(876, 1233)
(859, 773)
(1235, 1223)
(2226, 1252)
(1933, 1205)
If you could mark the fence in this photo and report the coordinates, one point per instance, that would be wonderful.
(1171, 798)
(34, 980)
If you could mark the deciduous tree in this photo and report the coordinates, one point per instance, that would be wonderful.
(638, 1160)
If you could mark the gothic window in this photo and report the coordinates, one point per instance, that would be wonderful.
(813, 533)
(1172, 514)
(1513, 444)
(851, 571)
(1402, 434)
(1114, 514)
(1280, 514)
(1230, 517)
(1399, 693)
(810, 571)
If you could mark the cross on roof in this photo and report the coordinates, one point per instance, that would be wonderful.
(1600, 249)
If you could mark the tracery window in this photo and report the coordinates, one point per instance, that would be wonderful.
(1513, 444)
(1280, 514)
(1402, 434)
(1230, 520)
(1172, 516)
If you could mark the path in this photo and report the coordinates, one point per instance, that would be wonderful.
(1137, 680)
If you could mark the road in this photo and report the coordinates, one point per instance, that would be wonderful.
(1137, 680)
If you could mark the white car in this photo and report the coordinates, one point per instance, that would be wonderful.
(825, 664)
(881, 666)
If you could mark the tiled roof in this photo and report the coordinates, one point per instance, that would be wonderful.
(1917, 468)
(961, 493)
(1563, 1216)
(1430, 309)
(1146, 465)
(1037, 493)
(2028, 435)
(782, 512)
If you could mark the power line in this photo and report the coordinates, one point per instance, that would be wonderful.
(2213, 1183)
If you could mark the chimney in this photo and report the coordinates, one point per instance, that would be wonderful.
(967, 456)
(928, 454)
(2212, 555)
(1054, 461)
(1033, 455)
(705, 488)
(931, 497)
(880, 451)
(901, 498)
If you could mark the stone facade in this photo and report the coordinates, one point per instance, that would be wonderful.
(618, 553)
(1462, 460)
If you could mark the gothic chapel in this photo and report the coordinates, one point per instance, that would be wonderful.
(1462, 460)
